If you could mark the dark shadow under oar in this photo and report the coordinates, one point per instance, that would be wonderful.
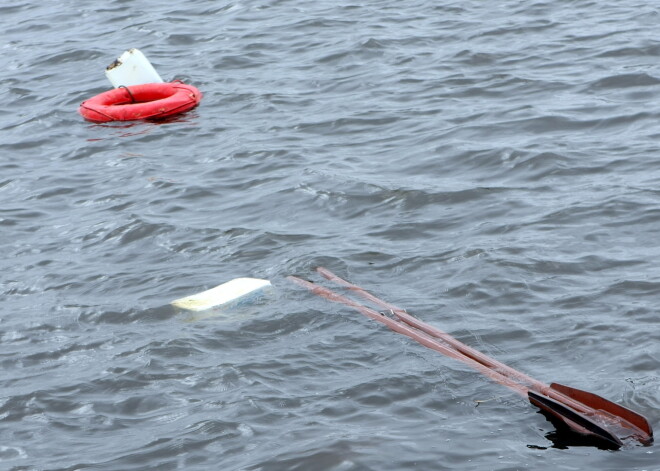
(605, 422)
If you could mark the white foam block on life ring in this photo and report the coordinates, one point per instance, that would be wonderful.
(132, 68)
(232, 292)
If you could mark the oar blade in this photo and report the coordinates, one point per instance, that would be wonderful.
(631, 420)
(575, 421)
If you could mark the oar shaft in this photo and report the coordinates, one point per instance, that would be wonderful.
(420, 336)
(435, 332)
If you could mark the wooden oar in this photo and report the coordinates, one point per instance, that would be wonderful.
(581, 411)
(581, 401)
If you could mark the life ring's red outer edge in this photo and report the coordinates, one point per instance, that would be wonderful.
(152, 100)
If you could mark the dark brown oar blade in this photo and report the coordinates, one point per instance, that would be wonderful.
(627, 418)
(574, 420)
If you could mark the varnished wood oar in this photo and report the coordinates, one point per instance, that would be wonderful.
(581, 411)
(607, 413)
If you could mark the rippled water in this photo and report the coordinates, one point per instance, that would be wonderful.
(490, 166)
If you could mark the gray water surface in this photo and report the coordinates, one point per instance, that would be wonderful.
(490, 166)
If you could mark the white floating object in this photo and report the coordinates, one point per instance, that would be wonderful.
(233, 292)
(132, 68)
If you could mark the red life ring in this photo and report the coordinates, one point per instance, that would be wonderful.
(151, 100)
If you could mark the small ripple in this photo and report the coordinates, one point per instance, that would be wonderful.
(624, 81)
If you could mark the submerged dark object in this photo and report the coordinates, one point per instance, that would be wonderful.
(606, 424)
